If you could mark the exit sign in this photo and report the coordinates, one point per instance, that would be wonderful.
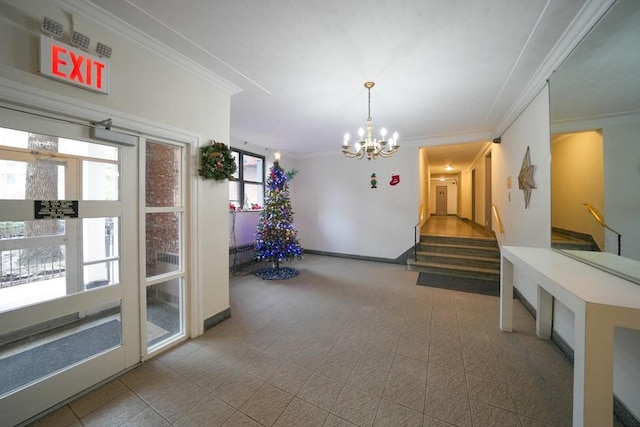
(76, 67)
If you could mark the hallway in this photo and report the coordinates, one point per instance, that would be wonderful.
(345, 343)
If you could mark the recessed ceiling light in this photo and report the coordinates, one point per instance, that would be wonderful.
(448, 167)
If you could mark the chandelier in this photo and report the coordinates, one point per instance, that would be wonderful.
(371, 147)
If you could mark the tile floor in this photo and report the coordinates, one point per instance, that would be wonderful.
(345, 343)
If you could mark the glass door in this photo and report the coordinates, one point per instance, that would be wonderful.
(68, 303)
(164, 219)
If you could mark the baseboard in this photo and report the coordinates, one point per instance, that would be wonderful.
(217, 318)
(402, 259)
(620, 410)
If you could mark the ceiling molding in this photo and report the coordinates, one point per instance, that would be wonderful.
(587, 17)
(99, 16)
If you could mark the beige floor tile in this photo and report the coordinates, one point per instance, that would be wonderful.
(62, 417)
(368, 378)
(302, 414)
(393, 415)
(356, 406)
(451, 380)
(483, 366)
(178, 400)
(338, 365)
(405, 391)
(486, 415)
(491, 392)
(310, 355)
(335, 421)
(152, 380)
(449, 407)
(116, 412)
(321, 391)
(177, 353)
(98, 397)
(208, 412)
(147, 417)
(379, 359)
(434, 422)
(238, 419)
(237, 389)
(414, 348)
(409, 367)
(266, 404)
(290, 377)
(263, 366)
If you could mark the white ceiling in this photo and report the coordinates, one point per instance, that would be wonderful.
(444, 69)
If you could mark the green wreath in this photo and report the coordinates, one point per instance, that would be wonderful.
(216, 161)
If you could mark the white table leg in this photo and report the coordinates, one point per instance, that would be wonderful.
(506, 295)
(592, 369)
(544, 314)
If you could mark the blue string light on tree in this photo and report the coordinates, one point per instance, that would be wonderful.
(276, 237)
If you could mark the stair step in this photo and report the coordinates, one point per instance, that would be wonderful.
(458, 240)
(455, 270)
(482, 251)
(457, 259)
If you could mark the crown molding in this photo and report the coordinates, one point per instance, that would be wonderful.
(583, 22)
(98, 16)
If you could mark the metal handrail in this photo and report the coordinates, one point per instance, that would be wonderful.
(601, 221)
(415, 234)
(498, 220)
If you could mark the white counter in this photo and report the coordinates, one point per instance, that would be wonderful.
(600, 302)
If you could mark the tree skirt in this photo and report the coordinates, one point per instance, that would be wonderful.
(280, 273)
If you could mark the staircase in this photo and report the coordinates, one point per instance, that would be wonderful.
(474, 257)
(571, 240)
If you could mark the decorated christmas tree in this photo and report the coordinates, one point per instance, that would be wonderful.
(276, 237)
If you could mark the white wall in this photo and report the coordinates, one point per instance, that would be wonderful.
(150, 93)
(337, 210)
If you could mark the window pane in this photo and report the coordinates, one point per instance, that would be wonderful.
(236, 157)
(164, 320)
(100, 238)
(21, 139)
(163, 164)
(101, 274)
(163, 243)
(39, 180)
(234, 193)
(100, 181)
(252, 168)
(254, 194)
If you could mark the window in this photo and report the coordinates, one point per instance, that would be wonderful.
(246, 186)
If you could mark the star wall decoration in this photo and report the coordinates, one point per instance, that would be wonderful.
(525, 178)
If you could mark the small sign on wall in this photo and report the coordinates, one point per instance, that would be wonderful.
(55, 209)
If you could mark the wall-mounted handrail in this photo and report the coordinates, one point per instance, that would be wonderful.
(494, 208)
(417, 227)
(601, 221)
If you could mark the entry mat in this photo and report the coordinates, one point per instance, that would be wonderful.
(30, 365)
(462, 284)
